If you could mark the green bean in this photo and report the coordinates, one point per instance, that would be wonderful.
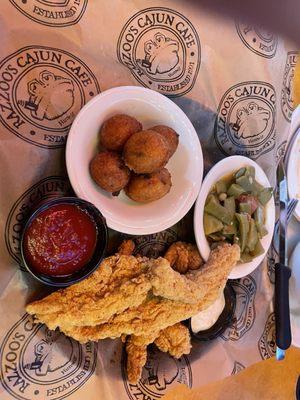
(253, 236)
(215, 209)
(243, 229)
(217, 237)
(265, 195)
(229, 204)
(240, 172)
(211, 224)
(230, 229)
(250, 171)
(256, 188)
(258, 250)
(259, 215)
(262, 230)
(245, 182)
(221, 187)
(235, 190)
(246, 257)
(245, 208)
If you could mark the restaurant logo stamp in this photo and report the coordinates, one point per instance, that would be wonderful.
(153, 246)
(267, 341)
(50, 187)
(261, 41)
(287, 102)
(159, 374)
(41, 91)
(245, 123)
(244, 316)
(161, 48)
(237, 367)
(37, 363)
(52, 12)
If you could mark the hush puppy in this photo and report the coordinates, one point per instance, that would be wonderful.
(117, 130)
(149, 187)
(109, 171)
(146, 152)
(170, 135)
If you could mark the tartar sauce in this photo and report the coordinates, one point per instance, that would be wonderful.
(207, 318)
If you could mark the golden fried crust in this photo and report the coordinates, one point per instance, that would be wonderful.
(119, 282)
(157, 313)
(170, 136)
(109, 171)
(146, 152)
(183, 256)
(149, 187)
(117, 130)
(175, 340)
(126, 248)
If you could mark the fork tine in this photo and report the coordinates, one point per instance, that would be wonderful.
(291, 207)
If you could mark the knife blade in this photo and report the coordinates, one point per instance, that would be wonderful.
(282, 272)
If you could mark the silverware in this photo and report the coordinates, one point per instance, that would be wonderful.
(282, 272)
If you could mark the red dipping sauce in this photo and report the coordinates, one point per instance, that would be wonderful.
(60, 240)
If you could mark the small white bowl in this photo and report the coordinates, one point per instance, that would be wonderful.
(186, 165)
(224, 167)
(293, 172)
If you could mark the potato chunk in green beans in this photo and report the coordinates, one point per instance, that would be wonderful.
(234, 212)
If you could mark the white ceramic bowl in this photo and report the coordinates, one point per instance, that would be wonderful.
(293, 172)
(186, 165)
(223, 168)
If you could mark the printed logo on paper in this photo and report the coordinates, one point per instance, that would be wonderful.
(37, 363)
(287, 102)
(53, 186)
(52, 12)
(257, 39)
(280, 152)
(153, 246)
(41, 91)
(245, 124)
(267, 341)
(244, 316)
(161, 48)
(160, 373)
(237, 367)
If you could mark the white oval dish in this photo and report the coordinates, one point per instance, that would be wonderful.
(293, 172)
(221, 169)
(294, 295)
(186, 165)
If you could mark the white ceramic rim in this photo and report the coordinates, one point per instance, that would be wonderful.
(293, 165)
(133, 230)
(239, 270)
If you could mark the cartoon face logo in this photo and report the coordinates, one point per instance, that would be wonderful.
(160, 372)
(251, 120)
(161, 54)
(46, 88)
(43, 361)
(46, 351)
(51, 96)
(52, 12)
(161, 48)
(245, 124)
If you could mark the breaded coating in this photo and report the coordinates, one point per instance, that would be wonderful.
(109, 171)
(117, 130)
(146, 152)
(175, 340)
(126, 248)
(183, 256)
(170, 135)
(149, 187)
(157, 313)
(119, 282)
